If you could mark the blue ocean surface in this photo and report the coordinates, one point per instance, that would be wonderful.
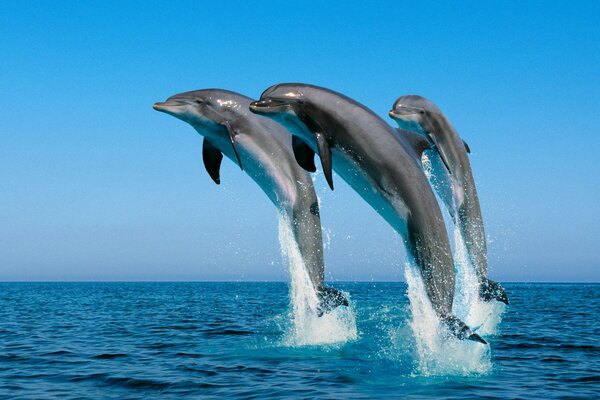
(214, 340)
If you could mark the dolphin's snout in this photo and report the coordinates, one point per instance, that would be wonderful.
(269, 106)
(258, 104)
(169, 106)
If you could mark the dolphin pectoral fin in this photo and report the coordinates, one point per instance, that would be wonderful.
(461, 330)
(212, 158)
(325, 156)
(305, 156)
(232, 135)
(467, 147)
(490, 290)
(418, 142)
(330, 298)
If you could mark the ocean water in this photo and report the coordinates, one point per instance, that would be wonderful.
(210, 340)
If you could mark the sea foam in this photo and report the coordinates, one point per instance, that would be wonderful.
(439, 353)
(483, 317)
(306, 328)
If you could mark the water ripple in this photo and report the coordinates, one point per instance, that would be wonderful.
(173, 340)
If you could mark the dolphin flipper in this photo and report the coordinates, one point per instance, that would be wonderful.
(490, 290)
(330, 298)
(212, 158)
(322, 147)
(460, 329)
(305, 156)
(232, 134)
(325, 156)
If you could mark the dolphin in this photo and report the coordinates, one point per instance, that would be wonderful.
(382, 167)
(455, 182)
(262, 148)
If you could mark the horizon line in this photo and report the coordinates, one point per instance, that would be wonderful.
(259, 281)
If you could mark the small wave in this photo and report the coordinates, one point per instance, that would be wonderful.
(190, 355)
(57, 353)
(585, 379)
(159, 345)
(244, 368)
(88, 377)
(581, 347)
(12, 358)
(552, 345)
(109, 356)
(227, 332)
(525, 345)
(553, 359)
(168, 328)
(206, 372)
(136, 383)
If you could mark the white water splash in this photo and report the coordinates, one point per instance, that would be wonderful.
(306, 328)
(483, 317)
(439, 353)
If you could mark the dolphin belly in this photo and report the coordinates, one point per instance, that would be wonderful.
(393, 210)
(292, 192)
(422, 230)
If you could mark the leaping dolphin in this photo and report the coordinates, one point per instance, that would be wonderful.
(378, 164)
(262, 148)
(455, 185)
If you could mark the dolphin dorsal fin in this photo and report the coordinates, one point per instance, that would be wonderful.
(418, 142)
(305, 156)
(212, 158)
(467, 147)
(325, 156)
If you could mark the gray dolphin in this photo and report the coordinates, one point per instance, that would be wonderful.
(455, 182)
(262, 148)
(378, 164)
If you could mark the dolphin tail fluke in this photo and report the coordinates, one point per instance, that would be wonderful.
(490, 290)
(330, 298)
(460, 329)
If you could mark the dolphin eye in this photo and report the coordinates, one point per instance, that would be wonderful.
(199, 101)
(422, 112)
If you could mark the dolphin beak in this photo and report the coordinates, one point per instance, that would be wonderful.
(402, 112)
(269, 106)
(259, 104)
(169, 106)
(160, 106)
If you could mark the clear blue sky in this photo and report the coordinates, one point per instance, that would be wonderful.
(96, 185)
